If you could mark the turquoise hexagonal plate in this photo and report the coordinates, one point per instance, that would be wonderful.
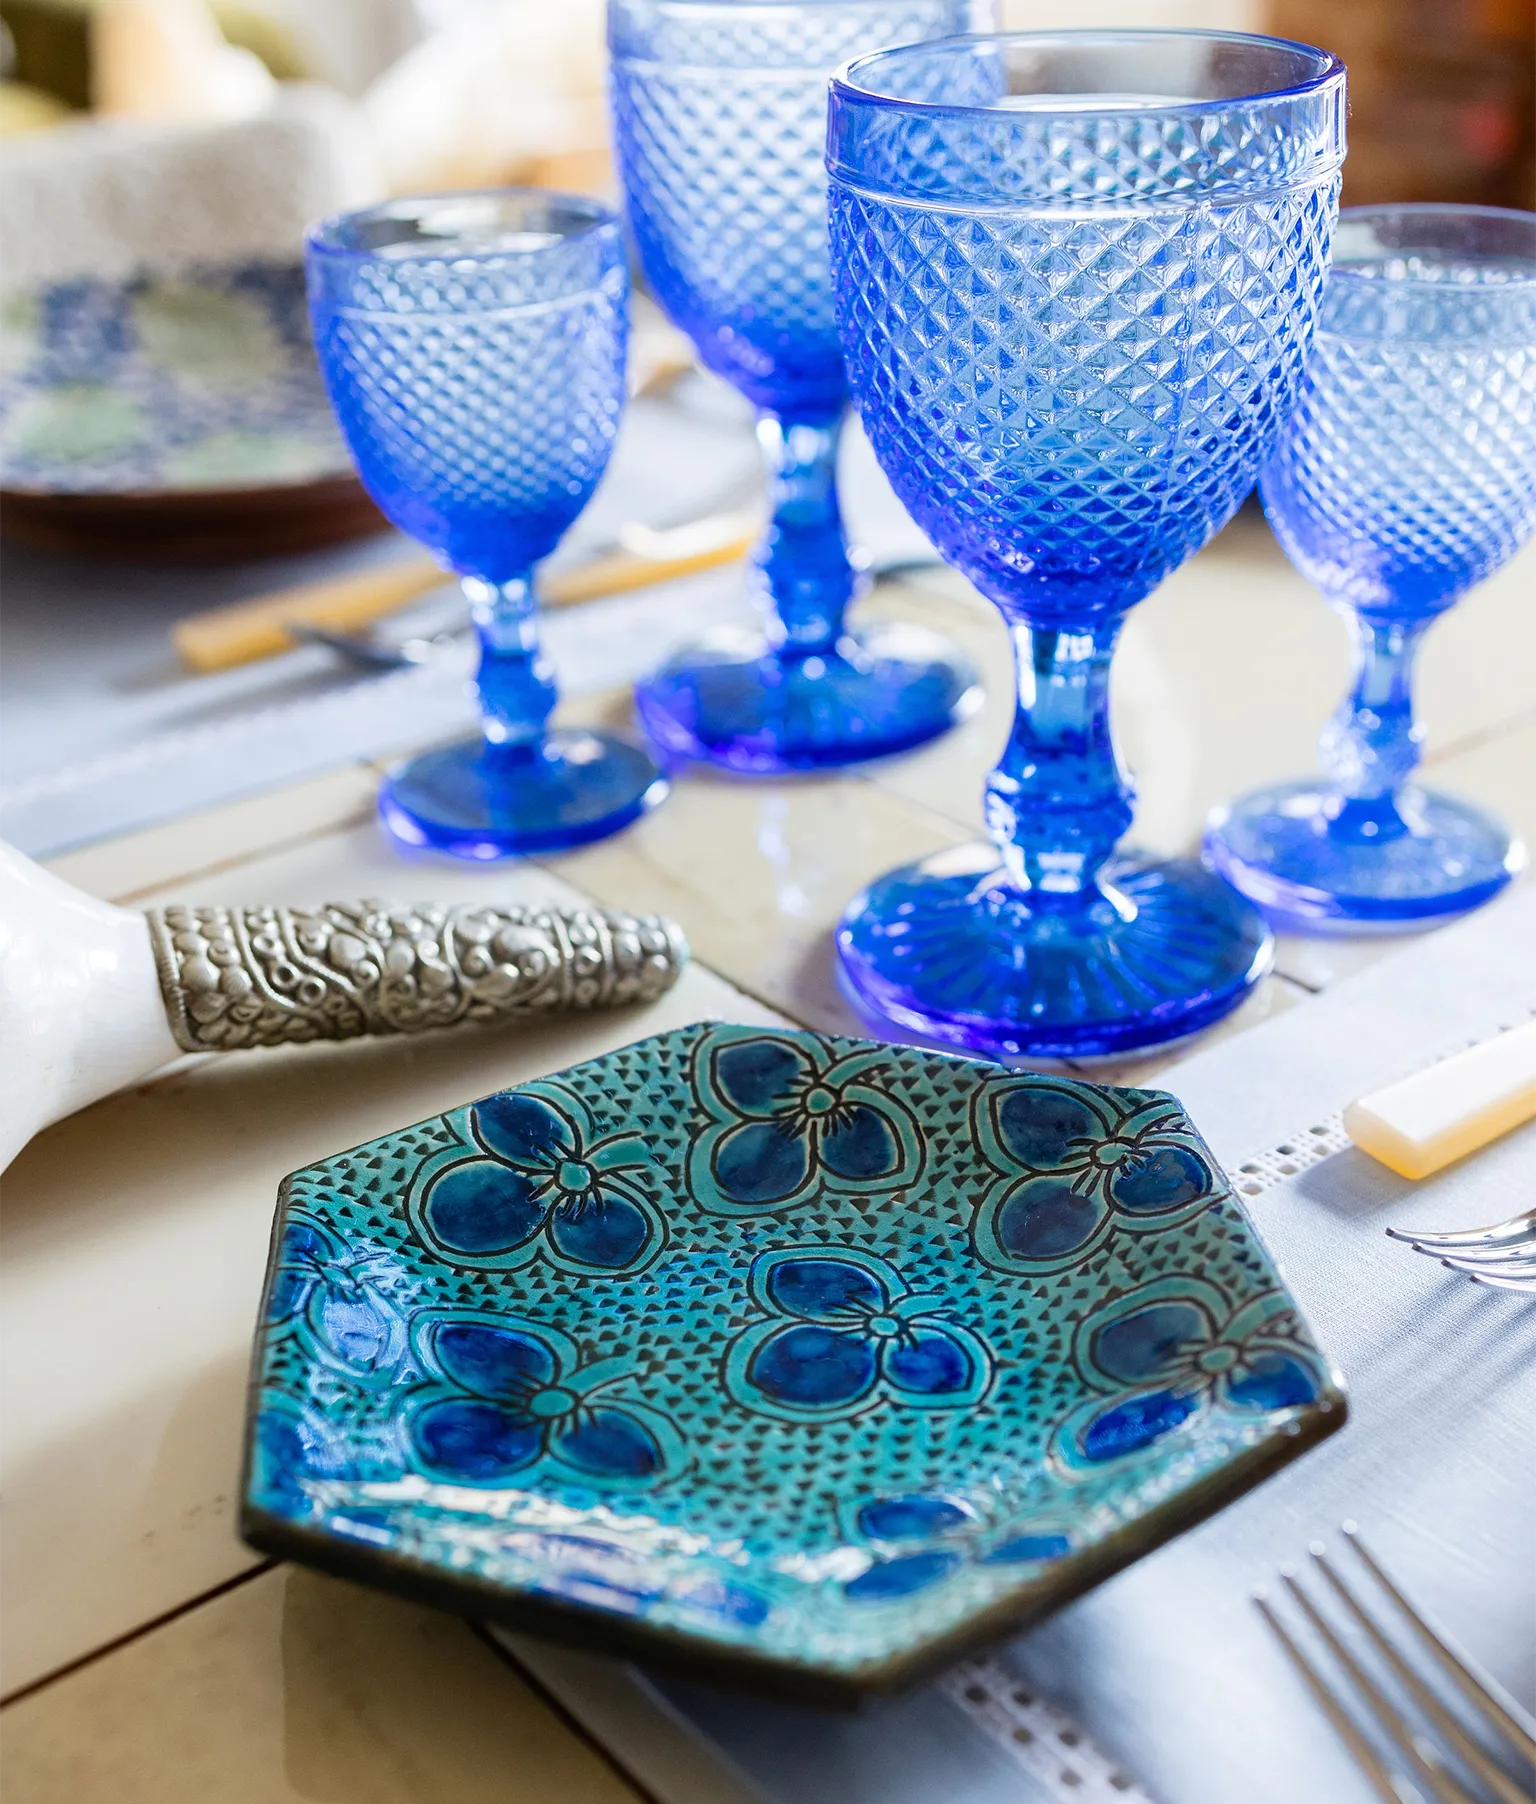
(803, 1360)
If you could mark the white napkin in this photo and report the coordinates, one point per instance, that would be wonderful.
(502, 91)
(350, 43)
(111, 198)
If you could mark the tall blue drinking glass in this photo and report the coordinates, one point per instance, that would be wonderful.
(473, 346)
(1407, 474)
(720, 110)
(1077, 277)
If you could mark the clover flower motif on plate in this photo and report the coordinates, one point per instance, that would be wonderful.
(1176, 1346)
(344, 1301)
(919, 1538)
(841, 1333)
(538, 1178)
(1073, 1165)
(511, 1395)
(787, 1120)
(297, 1457)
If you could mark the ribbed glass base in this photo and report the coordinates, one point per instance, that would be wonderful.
(1315, 866)
(483, 802)
(949, 949)
(734, 702)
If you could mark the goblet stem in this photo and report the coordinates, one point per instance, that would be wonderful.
(522, 786)
(515, 681)
(802, 562)
(1059, 799)
(1370, 748)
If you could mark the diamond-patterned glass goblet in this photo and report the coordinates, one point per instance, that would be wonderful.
(1077, 276)
(473, 346)
(720, 111)
(1406, 475)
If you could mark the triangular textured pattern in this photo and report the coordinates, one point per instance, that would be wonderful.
(720, 122)
(1409, 470)
(1070, 405)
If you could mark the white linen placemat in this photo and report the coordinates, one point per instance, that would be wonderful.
(100, 738)
(600, 645)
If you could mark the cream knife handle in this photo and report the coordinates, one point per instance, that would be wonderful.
(234, 978)
(1450, 1109)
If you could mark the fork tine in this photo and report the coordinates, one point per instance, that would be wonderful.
(1506, 1243)
(1486, 1258)
(1526, 1286)
(1504, 1267)
(1507, 1716)
(1366, 1757)
(1491, 1774)
(1442, 1785)
(1517, 1228)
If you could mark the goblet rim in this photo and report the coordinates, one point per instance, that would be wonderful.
(322, 239)
(843, 86)
(1433, 209)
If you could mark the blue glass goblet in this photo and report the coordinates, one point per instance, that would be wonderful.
(720, 110)
(1077, 276)
(1407, 474)
(473, 346)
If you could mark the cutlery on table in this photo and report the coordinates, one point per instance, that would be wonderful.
(370, 651)
(1425, 1122)
(1503, 1255)
(366, 651)
(1432, 1756)
(264, 626)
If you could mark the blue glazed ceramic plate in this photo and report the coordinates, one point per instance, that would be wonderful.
(207, 382)
(804, 1360)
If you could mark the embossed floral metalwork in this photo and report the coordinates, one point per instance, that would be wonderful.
(844, 1332)
(541, 1179)
(1174, 1346)
(512, 1393)
(789, 1118)
(234, 978)
(1077, 1161)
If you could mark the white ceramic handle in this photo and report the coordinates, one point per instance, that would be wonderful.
(80, 1008)
(95, 997)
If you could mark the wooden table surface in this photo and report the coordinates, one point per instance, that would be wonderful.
(147, 1656)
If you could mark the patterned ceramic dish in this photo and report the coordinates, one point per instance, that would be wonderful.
(170, 395)
(806, 1361)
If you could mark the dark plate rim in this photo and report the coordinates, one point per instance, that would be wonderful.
(697, 1656)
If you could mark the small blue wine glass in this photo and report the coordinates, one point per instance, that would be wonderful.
(1077, 277)
(473, 346)
(1407, 474)
(720, 111)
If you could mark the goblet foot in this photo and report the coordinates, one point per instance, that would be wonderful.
(479, 801)
(1315, 868)
(950, 949)
(735, 702)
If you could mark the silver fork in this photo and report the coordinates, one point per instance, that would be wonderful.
(1439, 1761)
(1503, 1255)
